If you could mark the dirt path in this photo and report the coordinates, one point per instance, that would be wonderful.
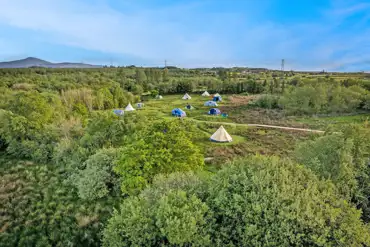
(262, 125)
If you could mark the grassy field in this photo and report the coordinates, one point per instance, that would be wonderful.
(246, 139)
(322, 122)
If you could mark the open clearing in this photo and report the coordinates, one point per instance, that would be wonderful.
(253, 130)
(248, 138)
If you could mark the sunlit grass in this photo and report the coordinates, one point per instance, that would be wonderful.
(335, 120)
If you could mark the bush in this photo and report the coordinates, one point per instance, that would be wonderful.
(342, 155)
(27, 139)
(323, 98)
(80, 109)
(162, 147)
(260, 201)
(169, 213)
(106, 130)
(97, 179)
(32, 105)
(256, 201)
(330, 157)
(266, 101)
(366, 104)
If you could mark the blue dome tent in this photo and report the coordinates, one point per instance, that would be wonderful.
(217, 98)
(118, 112)
(210, 103)
(189, 107)
(214, 111)
(177, 112)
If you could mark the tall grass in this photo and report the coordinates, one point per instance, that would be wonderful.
(81, 95)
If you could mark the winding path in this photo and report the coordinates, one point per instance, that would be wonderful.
(261, 125)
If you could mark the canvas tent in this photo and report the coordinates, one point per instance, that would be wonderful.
(186, 96)
(214, 111)
(140, 105)
(177, 112)
(221, 135)
(129, 107)
(118, 112)
(217, 95)
(210, 103)
(205, 93)
(159, 97)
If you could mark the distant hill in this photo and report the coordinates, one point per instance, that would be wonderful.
(36, 62)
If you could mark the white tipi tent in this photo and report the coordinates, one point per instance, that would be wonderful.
(217, 95)
(129, 107)
(186, 96)
(221, 135)
(205, 93)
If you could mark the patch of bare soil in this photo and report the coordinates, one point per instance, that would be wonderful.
(238, 100)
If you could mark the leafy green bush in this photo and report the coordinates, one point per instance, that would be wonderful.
(342, 155)
(330, 157)
(168, 213)
(97, 179)
(256, 201)
(260, 201)
(323, 98)
(105, 129)
(39, 209)
(266, 101)
(27, 139)
(32, 105)
(366, 105)
(80, 109)
(162, 147)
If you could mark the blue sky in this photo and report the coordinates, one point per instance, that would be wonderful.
(309, 34)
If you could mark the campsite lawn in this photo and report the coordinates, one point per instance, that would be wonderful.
(246, 139)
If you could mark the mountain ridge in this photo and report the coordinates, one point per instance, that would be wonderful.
(36, 62)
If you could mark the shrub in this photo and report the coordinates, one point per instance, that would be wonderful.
(97, 179)
(255, 201)
(342, 155)
(266, 101)
(162, 147)
(167, 214)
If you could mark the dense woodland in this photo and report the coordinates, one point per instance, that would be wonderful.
(75, 174)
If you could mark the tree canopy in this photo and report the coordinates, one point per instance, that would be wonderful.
(256, 201)
(162, 147)
(342, 155)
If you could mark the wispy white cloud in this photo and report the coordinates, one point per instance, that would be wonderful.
(329, 42)
(190, 37)
(146, 34)
(346, 8)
